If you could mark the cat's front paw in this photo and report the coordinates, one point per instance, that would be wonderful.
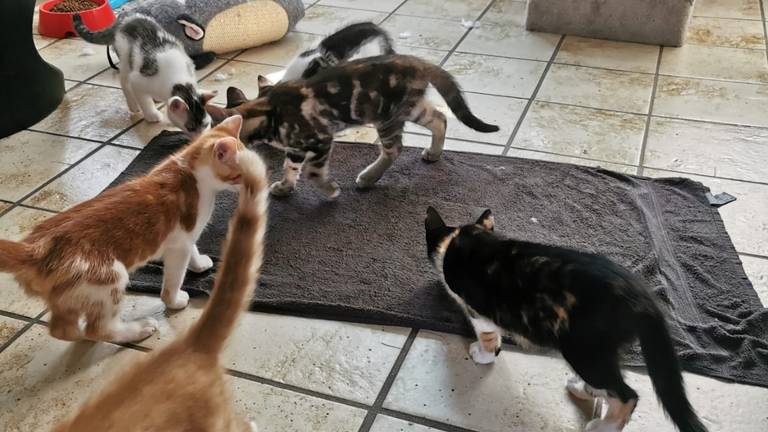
(428, 156)
(479, 355)
(578, 388)
(200, 263)
(153, 116)
(365, 180)
(279, 189)
(180, 302)
(331, 189)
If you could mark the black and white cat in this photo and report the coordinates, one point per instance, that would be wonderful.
(154, 66)
(582, 304)
(353, 42)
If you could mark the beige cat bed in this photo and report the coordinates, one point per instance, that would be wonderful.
(220, 26)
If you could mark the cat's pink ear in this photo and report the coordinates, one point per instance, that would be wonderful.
(176, 105)
(232, 125)
(225, 150)
(486, 220)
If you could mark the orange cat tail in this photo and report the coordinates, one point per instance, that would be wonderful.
(242, 255)
(14, 256)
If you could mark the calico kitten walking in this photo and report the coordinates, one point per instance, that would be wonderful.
(78, 260)
(154, 66)
(355, 41)
(302, 116)
(582, 304)
(182, 386)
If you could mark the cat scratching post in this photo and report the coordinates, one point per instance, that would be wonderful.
(656, 22)
(30, 88)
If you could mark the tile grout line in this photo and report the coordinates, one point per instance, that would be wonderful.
(30, 322)
(393, 11)
(378, 404)
(434, 424)
(536, 89)
(765, 30)
(466, 33)
(649, 116)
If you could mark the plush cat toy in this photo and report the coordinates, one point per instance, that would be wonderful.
(210, 27)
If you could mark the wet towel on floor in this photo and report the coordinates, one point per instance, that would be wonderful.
(363, 258)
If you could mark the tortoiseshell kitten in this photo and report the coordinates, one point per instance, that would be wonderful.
(302, 116)
(582, 304)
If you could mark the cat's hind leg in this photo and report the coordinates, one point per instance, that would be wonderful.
(425, 114)
(488, 344)
(101, 304)
(291, 172)
(65, 323)
(599, 368)
(391, 136)
(318, 173)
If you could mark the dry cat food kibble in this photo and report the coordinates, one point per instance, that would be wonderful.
(68, 6)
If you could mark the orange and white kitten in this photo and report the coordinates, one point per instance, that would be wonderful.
(78, 260)
(182, 386)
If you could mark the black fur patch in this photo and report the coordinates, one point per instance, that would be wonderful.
(197, 113)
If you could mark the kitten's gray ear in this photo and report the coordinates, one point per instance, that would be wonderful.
(192, 29)
(486, 220)
(264, 81)
(235, 97)
(433, 219)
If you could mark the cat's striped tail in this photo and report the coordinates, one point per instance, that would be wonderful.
(450, 91)
(664, 370)
(14, 256)
(242, 256)
(103, 37)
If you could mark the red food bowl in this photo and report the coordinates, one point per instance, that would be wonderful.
(59, 25)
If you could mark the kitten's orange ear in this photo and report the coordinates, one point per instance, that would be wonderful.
(486, 220)
(232, 125)
(225, 150)
(433, 219)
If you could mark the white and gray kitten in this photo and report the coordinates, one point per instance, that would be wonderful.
(353, 42)
(154, 66)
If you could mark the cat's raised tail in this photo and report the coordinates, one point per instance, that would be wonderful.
(450, 91)
(103, 37)
(664, 370)
(242, 256)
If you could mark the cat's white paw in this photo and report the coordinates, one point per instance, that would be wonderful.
(577, 387)
(254, 428)
(480, 356)
(429, 156)
(153, 116)
(200, 264)
(279, 189)
(148, 327)
(364, 181)
(180, 302)
(331, 189)
(599, 425)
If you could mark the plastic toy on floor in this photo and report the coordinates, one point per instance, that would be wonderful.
(209, 27)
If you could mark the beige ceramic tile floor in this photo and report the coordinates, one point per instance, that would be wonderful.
(696, 111)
